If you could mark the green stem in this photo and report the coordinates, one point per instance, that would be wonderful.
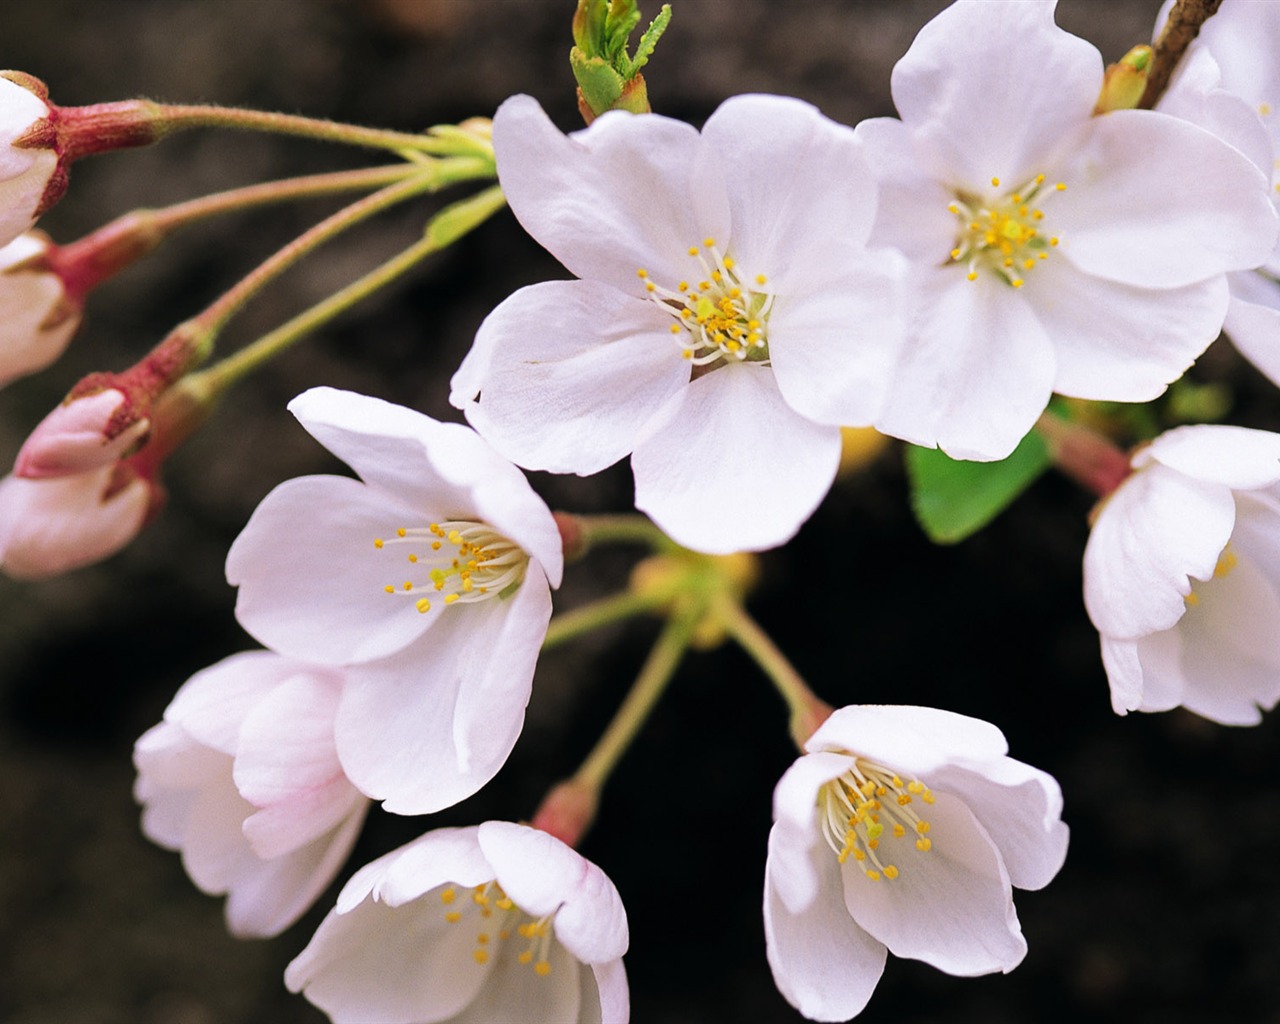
(621, 529)
(807, 710)
(648, 687)
(459, 218)
(598, 614)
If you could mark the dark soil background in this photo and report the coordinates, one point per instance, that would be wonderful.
(1167, 907)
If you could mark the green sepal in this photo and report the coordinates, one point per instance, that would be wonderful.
(953, 500)
(601, 85)
(608, 78)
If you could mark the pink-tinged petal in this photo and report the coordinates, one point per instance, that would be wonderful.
(37, 319)
(1123, 664)
(568, 374)
(951, 907)
(1021, 809)
(912, 213)
(24, 172)
(823, 963)
(727, 465)
(1243, 39)
(543, 875)
(1156, 202)
(430, 726)
(382, 964)
(213, 704)
(796, 831)
(909, 739)
(1253, 321)
(834, 348)
(801, 197)
(73, 437)
(977, 370)
(624, 194)
(1156, 530)
(1234, 457)
(610, 1002)
(214, 851)
(171, 768)
(514, 994)
(312, 584)
(1115, 342)
(48, 527)
(974, 88)
(270, 895)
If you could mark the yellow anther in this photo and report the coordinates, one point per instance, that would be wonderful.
(728, 263)
(761, 279)
(904, 799)
(423, 605)
(453, 917)
(709, 243)
(915, 787)
(1264, 109)
(483, 939)
(693, 250)
(542, 968)
(435, 545)
(675, 329)
(377, 542)
(1028, 263)
(504, 903)
(899, 831)
(455, 537)
(922, 827)
(450, 598)
(995, 182)
(1192, 599)
(408, 584)
(526, 957)
(859, 855)
(481, 956)
(890, 872)
(955, 254)
(923, 845)
(413, 558)
(873, 875)
(1016, 198)
(927, 797)
(1017, 282)
(1061, 186)
(1039, 179)
(449, 895)
(972, 275)
(642, 273)
(683, 286)
(649, 286)
(401, 532)
(952, 208)
(389, 589)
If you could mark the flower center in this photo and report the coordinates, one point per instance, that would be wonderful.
(496, 919)
(870, 806)
(720, 313)
(459, 560)
(1226, 562)
(1003, 235)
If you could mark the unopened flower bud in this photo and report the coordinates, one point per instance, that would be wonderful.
(28, 157)
(37, 315)
(81, 434)
(1125, 81)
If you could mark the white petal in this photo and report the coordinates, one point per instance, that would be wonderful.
(834, 348)
(514, 994)
(1253, 321)
(977, 370)
(1156, 202)
(796, 831)
(1021, 809)
(1157, 529)
(801, 196)
(822, 962)
(1114, 342)
(1234, 457)
(622, 195)
(912, 739)
(1124, 674)
(611, 1001)
(311, 581)
(212, 705)
(543, 875)
(727, 465)
(951, 906)
(912, 213)
(568, 374)
(974, 88)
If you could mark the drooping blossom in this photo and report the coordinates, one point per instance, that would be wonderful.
(902, 830)
(430, 576)
(242, 777)
(498, 922)
(80, 434)
(1051, 250)
(26, 169)
(1182, 576)
(37, 318)
(1229, 84)
(727, 321)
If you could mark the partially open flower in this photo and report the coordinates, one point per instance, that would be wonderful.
(902, 830)
(242, 778)
(1182, 576)
(498, 922)
(37, 316)
(81, 434)
(27, 166)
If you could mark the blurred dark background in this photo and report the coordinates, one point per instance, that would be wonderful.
(1167, 907)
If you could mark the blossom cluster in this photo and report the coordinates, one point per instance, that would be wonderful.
(739, 294)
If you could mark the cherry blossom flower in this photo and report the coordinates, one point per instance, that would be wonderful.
(79, 435)
(495, 922)
(1051, 250)
(25, 170)
(901, 830)
(728, 317)
(1182, 576)
(37, 318)
(242, 777)
(430, 576)
(1229, 84)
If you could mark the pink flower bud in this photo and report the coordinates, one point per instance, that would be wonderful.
(49, 527)
(37, 316)
(82, 434)
(29, 165)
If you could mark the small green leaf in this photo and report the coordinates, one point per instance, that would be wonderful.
(601, 85)
(953, 499)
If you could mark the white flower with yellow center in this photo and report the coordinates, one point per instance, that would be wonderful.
(1182, 576)
(1050, 250)
(902, 830)
(430, 576)
(498, 922)
(729, 318)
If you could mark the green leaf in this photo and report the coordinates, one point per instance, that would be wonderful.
(953, 499)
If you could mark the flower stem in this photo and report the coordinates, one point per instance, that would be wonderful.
(1183, 26)
(1090, 459)
(808, 711)
(619, 529)
(598, 614)
(444, 228)
(654, 676)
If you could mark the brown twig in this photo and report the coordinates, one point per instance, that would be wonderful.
(1183, 26)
